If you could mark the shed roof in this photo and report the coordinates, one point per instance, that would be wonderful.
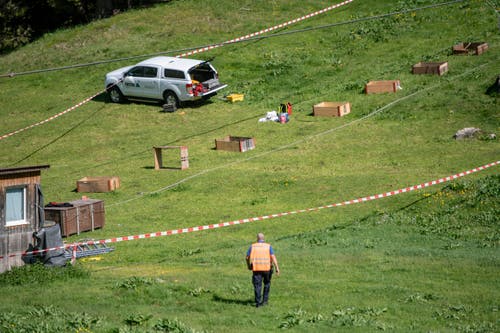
(11, 171)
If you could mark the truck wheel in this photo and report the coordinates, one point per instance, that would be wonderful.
(115, 95)
(169, 97)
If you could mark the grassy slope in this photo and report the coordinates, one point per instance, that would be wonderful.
(364, 267)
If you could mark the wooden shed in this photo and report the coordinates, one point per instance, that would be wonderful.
(21, 212)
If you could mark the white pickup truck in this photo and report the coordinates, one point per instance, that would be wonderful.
(170, 80)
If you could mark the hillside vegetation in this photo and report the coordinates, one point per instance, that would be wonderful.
(425, 261)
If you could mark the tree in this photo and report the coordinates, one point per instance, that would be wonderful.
(14, 30)
(21, 21)
(104, 8)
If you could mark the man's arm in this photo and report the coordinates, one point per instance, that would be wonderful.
(275, 262)
(249, 264)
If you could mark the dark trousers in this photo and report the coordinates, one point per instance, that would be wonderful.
(257, 279)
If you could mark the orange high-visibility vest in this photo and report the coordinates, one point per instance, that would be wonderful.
(260, 257)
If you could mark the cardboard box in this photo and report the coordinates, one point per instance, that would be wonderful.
(82, 215)
(438, 68)
(377, 87)
(332, 109)
(235, 143)
(97, 184)
(468, 48)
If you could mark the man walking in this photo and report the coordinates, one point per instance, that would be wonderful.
(260, 259)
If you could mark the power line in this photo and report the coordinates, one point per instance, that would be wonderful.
(36, 71)
(278, 34)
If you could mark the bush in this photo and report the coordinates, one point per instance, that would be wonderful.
(40, 274)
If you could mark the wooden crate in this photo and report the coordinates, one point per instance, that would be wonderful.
(158, 154)
(97, 184)
(470, 48)
(332, 109)
(235, 143)
(377, 87)
(479, 48)
(438, 68)
(82, 215)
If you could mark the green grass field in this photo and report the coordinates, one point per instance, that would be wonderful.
(424, 261)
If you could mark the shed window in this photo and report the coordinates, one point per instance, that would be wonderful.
(15, 206)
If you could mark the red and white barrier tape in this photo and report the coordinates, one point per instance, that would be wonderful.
(265, 217)
(51, 118)
(207, 48)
